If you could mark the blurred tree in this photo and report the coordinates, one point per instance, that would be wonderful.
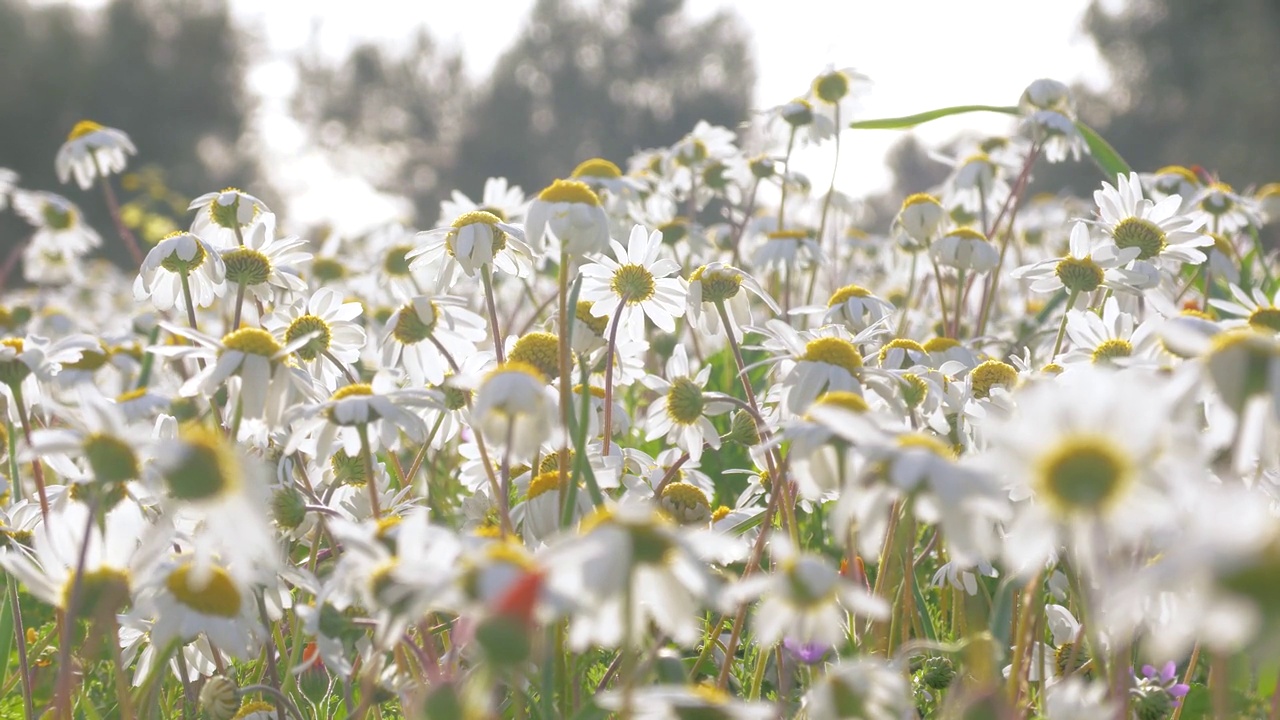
(1194, 84)
(170, 73)
(578, 82)
(392, 117)
(605, 82)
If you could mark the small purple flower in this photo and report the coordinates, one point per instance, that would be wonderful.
(1167, 676)
(807, 653)
(1157, 693)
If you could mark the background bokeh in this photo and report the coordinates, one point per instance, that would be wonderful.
(355, 113)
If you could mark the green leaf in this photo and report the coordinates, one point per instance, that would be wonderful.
(909, 121)
(926, 622)
(1103, 154)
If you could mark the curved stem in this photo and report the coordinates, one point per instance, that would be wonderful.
(235, 321)
(491, 305)
(370, 479)
(113, 207)
(608, 373)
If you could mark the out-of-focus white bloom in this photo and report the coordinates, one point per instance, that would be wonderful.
(179, 255)
(221, 217)
(515, 409)
(965, 249)
(92, 151)
(572, 213)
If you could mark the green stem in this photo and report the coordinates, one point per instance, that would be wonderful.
(370, 480)
(1062, 326)
(24, 664)
(37, 470)
(491, 305)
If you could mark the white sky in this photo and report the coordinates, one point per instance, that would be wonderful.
(921, 54)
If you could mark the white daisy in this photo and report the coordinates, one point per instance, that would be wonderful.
(637, 281)
(177, 257)
(680, 413)
(1090, 263)
(222, 217)
(572, 213)
(473, 241)
(59, 223)
(1253, 309)
(266, 265)
(1156, 229)
(717, 283)
(1114, 337)
(336, 338)
(499, 198)
(91, 151)
(431, 336)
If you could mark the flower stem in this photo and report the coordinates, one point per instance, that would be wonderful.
(1062, 326)
(37, 470)
(565, 367)
(487, 279)
(608, 373)
(24, 665)
(826, 209)
(366, 452)
(186, 298)
(113, 207)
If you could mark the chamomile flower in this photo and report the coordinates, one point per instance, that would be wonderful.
(814, 361)
(1114, 337)
(920, 218)
(805, 599)
(335, 337)
(673, 702)
(965, 249)
(473, 241)
(1047, 94)
(113, 450)
(266, 265)
(1252, 309)
(177, 257)
(835, 93)
(1090, 263)
(499, 198)
(602, 175)
(856, 308)
(1158, 230)
(267, 384)
(59, 223)
(1087, 458)
(680, 413)
(26, 362)
(92, 151)
(717, 283)
(515, 408)
(572, 213)
(188, 599)
(430, 336)
(637, 282)
(864, 688)
(380, 409)
(223, 217)
(1057, 134)
(1223, 210)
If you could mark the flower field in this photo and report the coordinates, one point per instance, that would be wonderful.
(674, 440)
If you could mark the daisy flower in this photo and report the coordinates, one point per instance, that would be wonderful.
(809, 127)
(680, 413)
(265, 264)
(267, 383)
(100, 434)
(430, 336)
(1047, 94)
(920, 217)
(571, 212)
(856, 308)
(27, 361)
(90, 151)
(221, 217)
(1252, 309)
(336, 338)
(786, 249)
(1087, 457)
(515, 408)
(179, 258)
(965, 249)
(1156, 229)
(500, 198)
(1224, 210)
(473, 241)
(59, 223)
(340, 419)
(600, 174)
(864, 688)
(637, 282)
(662, 702)
(1111, 338)
(815, 361)
(1057, 134)
(835, 92)
(1090, 263)
(187, 599)
(805, 599)
(716, 283)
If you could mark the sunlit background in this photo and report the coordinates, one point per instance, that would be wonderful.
(353, 114)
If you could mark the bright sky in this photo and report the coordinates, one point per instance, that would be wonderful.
(921, 54)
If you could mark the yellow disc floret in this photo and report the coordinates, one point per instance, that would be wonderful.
(539, 349)
(596, 168)
(833, 351)
(992, 374)
(252, 341)
(218, 596)
(1083, 473)
(569, 191)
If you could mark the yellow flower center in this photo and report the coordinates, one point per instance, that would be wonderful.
(831, 87)
(1265, 318)
(306, 325)
(721, 513)
(1083, 473)
(940, 344)
(685, 503)
(219, 596)
(246, 266)
(928, 443)
(717, 285)
(208, 466)
(904, 344)
(347, 391)
(833, 351)
(596, 168)
(847, 292)
(82, 128)
(103, 590)
(175, 264)
(57, 217)
(582, 313)
(543, 483)
(90, 360)
(967, 233)
(253, 341)
(991, 374)
(476, 217)
(227, 214)
(253, 707)
(920, 199)
(798, 113)
(1079, 274)
(110, 458)
(539, 349)
(520, 367)
(788, 235)
(411, 328)
(395, 263)
(569, 191)
(684, 401)
(633, 282)
(1112, 349)
(327, 269)
(843, 399)
(1142, 234)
